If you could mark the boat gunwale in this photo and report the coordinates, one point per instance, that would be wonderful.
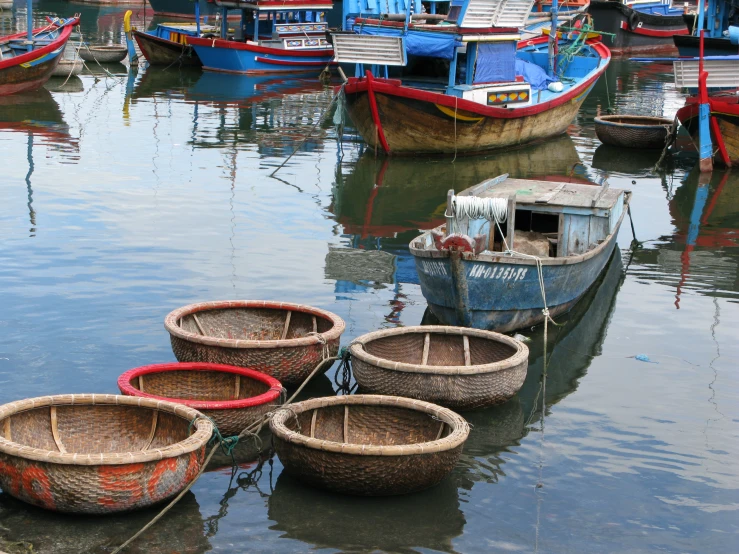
(36, 53)
(655, 122)
(459, 427)
(334, 333)
(521, 354)
(247, 47)
(393, 87)
(271, 394)
(197, 440)
(422, 252)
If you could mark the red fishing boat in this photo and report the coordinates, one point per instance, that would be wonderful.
(724, 125)
(28, 59)
(467, 86)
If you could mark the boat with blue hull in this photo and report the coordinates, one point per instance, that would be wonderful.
(504, 238)
(296, 31)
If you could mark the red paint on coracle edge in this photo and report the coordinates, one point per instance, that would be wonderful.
(121, 479)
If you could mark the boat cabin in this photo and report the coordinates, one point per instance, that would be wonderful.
(474, 54)
(538, 218)
(285, 24)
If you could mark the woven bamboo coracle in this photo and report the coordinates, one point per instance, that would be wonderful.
(368, 445)
(453, 366)
(233, 397)
(280, 339)
(633, 131)
(99, 453)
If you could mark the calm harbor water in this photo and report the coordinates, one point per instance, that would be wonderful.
(124, 197)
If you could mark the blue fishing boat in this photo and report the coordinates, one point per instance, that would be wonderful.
(295, 32)
(513, 250)
(721, 31)
(466, 84)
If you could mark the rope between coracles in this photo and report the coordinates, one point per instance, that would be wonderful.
(227, 444)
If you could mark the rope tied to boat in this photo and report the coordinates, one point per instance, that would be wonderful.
(251, 430)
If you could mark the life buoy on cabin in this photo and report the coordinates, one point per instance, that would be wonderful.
(457, 241)
(633, 20)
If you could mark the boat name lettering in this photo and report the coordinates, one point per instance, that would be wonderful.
(484, 271)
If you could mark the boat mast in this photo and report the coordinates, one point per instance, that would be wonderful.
(553, 42)
(29, 23)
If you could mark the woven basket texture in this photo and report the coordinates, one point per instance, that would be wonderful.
(368, 445)
(249, 335)
(633, 131)
(200, 388)
(68, 454)
(390, 362)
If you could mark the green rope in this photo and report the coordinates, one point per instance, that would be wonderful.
(227, 444)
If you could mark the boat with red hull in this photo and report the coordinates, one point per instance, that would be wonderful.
(724, 109)
(23, 69)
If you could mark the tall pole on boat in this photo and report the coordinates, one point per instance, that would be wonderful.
(553, 40)
(29, 23)
(705, 146)
(197, 17)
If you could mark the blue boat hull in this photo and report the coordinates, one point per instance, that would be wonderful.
(258, 60)
(503, 296)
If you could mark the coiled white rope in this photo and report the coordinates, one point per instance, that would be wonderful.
(472, 207)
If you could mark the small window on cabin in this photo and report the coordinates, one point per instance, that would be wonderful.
(538, 228)
(453, 14)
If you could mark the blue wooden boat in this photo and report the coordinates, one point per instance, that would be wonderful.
(296, 31)
(28, 59)
(486, 272)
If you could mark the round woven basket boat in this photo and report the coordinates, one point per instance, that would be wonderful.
(633, 131)
(367, 444)
(286, 341)
(233, 397)
(99, 453)
(111, 53)
(453, 366)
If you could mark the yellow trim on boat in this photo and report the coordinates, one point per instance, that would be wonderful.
(458, 115)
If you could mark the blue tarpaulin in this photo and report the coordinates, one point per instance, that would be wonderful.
(419, 43)
(533, 74)
(495, 62)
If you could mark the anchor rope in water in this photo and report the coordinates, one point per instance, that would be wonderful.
(251, 430)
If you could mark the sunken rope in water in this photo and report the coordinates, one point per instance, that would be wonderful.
(230, 443)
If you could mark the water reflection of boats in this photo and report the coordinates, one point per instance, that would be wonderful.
(274, 113)
(367, 524)
(158, 82)
(614, 159)
(37, 114)
(701, 253)
(575, 344)
(29, 529)
(380, 198)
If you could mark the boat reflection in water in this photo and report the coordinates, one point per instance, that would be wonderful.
(701, 255)
(572, 347)
(271, 112)
(29, 529)
(367, 524)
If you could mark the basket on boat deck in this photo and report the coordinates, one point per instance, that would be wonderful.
(453, 366)
(367, 444)
(286, 341)
(633, 131)
(109, 53)
(233, 397)
(99, 453)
